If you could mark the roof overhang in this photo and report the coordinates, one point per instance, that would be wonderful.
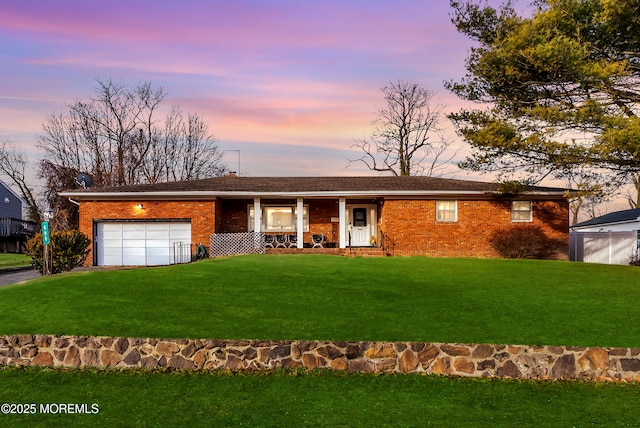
(208, 195)
(603, 225)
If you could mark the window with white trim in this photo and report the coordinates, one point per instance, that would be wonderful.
(521, 211)
(280, 218)
(447, 211)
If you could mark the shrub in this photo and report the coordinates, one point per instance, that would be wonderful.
(67, 250)
(522, 241)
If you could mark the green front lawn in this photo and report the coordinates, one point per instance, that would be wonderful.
(325, 297)
(316, 297)
(11, 260)
(136, 398)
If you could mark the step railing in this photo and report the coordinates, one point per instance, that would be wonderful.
(387, 244)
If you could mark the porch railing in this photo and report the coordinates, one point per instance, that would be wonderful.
(387, 244)
(227, 244)
(14, 228)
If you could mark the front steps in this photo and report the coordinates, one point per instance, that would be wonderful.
(363, 252)
(347, 252)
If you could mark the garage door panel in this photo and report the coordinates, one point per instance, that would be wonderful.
(133, 251)
(111, 243)
(110, 231)
(133, 243)
(156, 261)
(157, 226)
(112, 251)
(141, 243)
(158, 244)
(133, 256)
(111, 260)
(133, 234)
(164, 251)
(180, 235)
(157, 234)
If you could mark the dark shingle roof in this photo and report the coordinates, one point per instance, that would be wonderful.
(312, 184)
(615, 217)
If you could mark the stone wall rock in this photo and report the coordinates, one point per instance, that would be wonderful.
(455, 359)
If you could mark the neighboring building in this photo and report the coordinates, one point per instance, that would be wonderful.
(14, 231)
(142, 225)
(613, 238)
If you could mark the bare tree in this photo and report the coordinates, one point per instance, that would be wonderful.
(633, 193)
(119, 138)
(591, 190)
(198, 155)
(13, 164)
(58, 178)
(184, 151)
(407, 139)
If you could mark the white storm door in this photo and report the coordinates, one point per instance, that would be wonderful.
(360, 227)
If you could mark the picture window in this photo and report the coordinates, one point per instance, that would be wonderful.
(281, 218)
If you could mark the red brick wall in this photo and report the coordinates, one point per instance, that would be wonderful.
(412, 226)
(233, 215)
(201, 214)
(320, 213)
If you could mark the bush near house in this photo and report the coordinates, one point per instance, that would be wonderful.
(523, 241)
(68, 249)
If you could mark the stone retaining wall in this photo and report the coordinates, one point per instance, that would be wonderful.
(531, 362)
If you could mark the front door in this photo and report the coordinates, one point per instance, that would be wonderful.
(360, 228)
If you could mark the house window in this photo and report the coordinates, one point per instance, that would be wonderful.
(521, 211)
(281, 218)
(447, 210)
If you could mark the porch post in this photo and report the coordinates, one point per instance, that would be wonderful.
(300, 224)
(342, 212)
(257, 215)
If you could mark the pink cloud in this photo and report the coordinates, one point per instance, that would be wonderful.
(300, 76)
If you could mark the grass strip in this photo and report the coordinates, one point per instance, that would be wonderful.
(139, 398)
(10, 260)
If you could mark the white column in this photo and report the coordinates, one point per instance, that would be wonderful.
(257, 215)
(300, 224)
(342, 212)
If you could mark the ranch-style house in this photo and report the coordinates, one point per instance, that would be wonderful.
(158, 224)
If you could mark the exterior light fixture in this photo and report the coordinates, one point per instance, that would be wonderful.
(139, 206)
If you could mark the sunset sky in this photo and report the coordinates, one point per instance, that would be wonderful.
(291, 84)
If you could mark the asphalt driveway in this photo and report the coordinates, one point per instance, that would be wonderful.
(12, 276)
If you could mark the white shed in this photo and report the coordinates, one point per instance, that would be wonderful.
(613, 238)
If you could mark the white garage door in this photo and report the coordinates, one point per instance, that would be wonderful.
(143, 244)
